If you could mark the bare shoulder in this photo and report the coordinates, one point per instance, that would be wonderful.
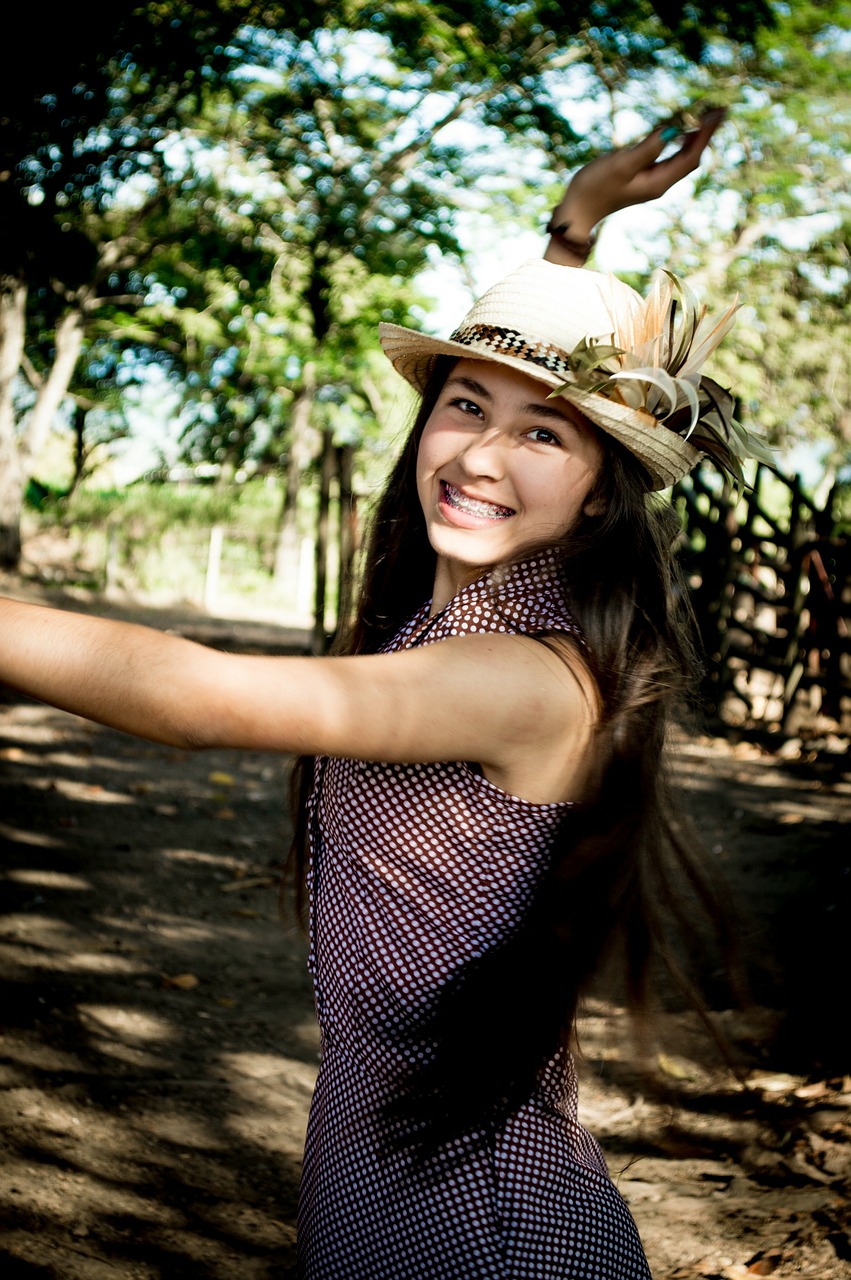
(551, 683)
(550, 755)
(529, 707)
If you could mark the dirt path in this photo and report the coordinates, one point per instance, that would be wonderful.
(159, 1046)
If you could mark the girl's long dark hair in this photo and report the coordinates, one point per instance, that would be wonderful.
(624, 877)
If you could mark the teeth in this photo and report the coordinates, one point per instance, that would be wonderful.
(473, 507)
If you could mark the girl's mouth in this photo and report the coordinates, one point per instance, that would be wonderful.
(459, 501)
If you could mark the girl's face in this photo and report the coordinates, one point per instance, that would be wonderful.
(500, 468)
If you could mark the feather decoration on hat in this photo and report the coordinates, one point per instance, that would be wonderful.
(651, 363)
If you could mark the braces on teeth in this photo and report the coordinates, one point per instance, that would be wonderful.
(472, 505)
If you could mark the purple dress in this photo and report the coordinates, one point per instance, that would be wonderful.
(416, 870)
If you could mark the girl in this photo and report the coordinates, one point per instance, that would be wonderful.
(485, 806)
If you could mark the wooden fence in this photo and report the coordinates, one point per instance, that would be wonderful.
(772, 596)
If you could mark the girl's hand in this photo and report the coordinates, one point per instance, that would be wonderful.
(631, 175)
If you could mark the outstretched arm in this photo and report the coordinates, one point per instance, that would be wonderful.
(505, 701)
(632, 175)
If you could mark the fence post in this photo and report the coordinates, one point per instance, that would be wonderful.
(214, 563)
(325, 478)
(304, 577)
(111, 569)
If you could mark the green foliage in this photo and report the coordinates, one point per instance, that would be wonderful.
(242, 191)
(153, 540)
(770, 219)
(156, 508)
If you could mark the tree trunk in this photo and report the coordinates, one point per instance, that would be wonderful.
(79, 425)
(347, 534)
(13, 299)
(68, 342)
(326, 476)
(300, 453)
(11, 501)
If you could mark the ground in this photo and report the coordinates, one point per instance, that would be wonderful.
(159, 1046)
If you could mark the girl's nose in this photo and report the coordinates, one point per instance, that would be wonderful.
(484, 455)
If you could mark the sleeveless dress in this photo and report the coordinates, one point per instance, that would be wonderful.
(417, 869)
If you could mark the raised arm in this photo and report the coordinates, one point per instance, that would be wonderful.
(632, 175)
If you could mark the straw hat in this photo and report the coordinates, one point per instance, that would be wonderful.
(631, 366)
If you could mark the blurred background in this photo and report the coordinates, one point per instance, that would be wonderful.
(205, 211)
(208, 208)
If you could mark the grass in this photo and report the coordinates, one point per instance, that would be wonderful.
(152, 541)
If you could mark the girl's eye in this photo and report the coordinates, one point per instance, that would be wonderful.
(542, 435)
(466, 406)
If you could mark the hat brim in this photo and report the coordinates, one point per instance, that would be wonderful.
(666, 456)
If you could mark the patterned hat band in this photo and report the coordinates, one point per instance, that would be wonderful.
(497, 340)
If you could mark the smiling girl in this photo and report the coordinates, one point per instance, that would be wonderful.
(499, 469)
(485, 805)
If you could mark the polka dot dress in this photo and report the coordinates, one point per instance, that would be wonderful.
(416, 870)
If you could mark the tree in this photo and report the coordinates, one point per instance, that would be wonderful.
(770, 216)
(113, 83)
(89, 116)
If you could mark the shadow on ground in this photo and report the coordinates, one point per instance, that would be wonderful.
(159, 1047)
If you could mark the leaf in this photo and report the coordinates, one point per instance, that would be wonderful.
(677, 1068)
(181, 981)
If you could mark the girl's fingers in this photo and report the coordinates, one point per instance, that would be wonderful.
(647, 151)
(634, 174)
(644, 153)
(664, 173)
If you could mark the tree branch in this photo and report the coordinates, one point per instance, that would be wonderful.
(398, 162)
(32, 375)
(68, 341)
(117, 300)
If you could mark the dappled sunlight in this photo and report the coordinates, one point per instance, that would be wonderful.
(25, 1055)
(83, 1189)
(127, 1023)
(201, 857)
(70, 756)
(266, 1068)
(73, 790)
(44, 879)
(50, 946)
(47, 933)
(172, 1125)
(747, 1149)
(270, 1095)
(141, 951)
(174, 928)
(38, 839)
(788, 792)
(155, 926)
(87, 962)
